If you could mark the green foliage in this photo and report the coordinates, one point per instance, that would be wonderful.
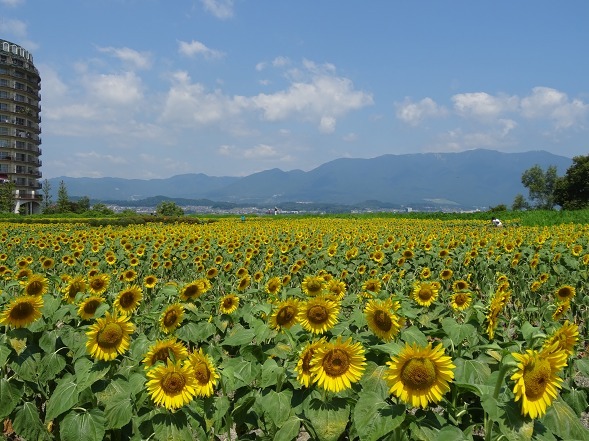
(7, 198)
(520, 203)
(572, 190)
(169, 208)
(541, 185)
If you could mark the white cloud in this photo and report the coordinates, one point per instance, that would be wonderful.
(115, 90)
(548, 103)
(483, 105)
(139, 60)
(17, 28)
(194, 47)
(413, 113)
(320, 100)
(327, 124)
(12, 3)
(350, 137)
(260, 151)
(118, 160)
(219, 8)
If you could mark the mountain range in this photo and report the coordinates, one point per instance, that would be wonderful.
(471, 179)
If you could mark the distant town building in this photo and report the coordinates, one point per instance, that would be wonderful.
(20, 130)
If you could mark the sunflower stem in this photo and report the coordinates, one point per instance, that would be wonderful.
(487, 422)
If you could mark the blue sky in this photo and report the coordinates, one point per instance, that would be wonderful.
(156, 88)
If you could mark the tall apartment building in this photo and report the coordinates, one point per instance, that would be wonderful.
(20, 130)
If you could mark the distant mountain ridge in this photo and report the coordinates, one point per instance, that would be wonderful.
(474, 178)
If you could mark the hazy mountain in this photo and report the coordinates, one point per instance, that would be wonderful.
(475, 178)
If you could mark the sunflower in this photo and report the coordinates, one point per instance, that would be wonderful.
(129, 275)
(303, 367)
(109, 336)
(172, 385)
(229, 304)
(561, 310)
(460, 300)
(22, 311)
(382, 321)
(446, 274)
(36, 285)
(244, 282)
(285, 314)
(459, 285)
(536, 379)
(274, 285)
(425, 273)
(23, 274)
(88, 307)
(318, 315)
(212, 273)
(129, 299)
(205, 373)
(425, 293)
(162, 350)
(150, 281)
(565, 293)
(419, 375)
(47, 263)
(566, 338)
(335, 366)
(337, 288)
(195, 289)
(171, 317)
(313, 285)
(98, 283)
(372, 285)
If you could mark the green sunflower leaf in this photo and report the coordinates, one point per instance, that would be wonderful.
(10, 395)
(27, 424)
(328, 418)
(374, 418)
(289, 429)
(277, 405)
(64, 397)
(561, 420)
(88, 425)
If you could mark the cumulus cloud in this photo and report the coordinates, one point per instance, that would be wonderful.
(12, 3)
(548, 103)
(222, 9)
(260, 151)
(139, 60)
(413, 113)
(17, 28)
(194, 47)
(483, 105)
(115, 89)
(319, 99)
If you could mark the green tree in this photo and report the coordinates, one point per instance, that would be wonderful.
(7, 198)
(169, 208)
(572, 190)
(46, 189)
(520, 203)
(82, 204)
(63, 199)
(541, 185)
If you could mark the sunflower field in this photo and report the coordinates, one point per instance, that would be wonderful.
(294, 329)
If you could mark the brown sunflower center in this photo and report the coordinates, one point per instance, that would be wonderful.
(35, 288)
(170, 318)
(425, 293)
(110, 336)
(228, 303)
(173, 383)
(202, 373)
(191, 291)
(285, 315)
(127, 300)
(382, 320)
(564, 293)
(317, 314)
(336, 362)
(23, 310)
(314, 286)
(460, 299)
(91, 306)
(75, 288)
(537, 378)
(96, 284)
(307, 360)
(418, 373)
(161, 354)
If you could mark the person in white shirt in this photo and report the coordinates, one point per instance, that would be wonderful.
(496, 222)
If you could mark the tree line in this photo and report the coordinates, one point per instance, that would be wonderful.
(547, 190)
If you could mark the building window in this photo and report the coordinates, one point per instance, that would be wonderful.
(20, 98)
(4, 82)
(3, 106)
(4, 118)
(4, 143)
(3, 130)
